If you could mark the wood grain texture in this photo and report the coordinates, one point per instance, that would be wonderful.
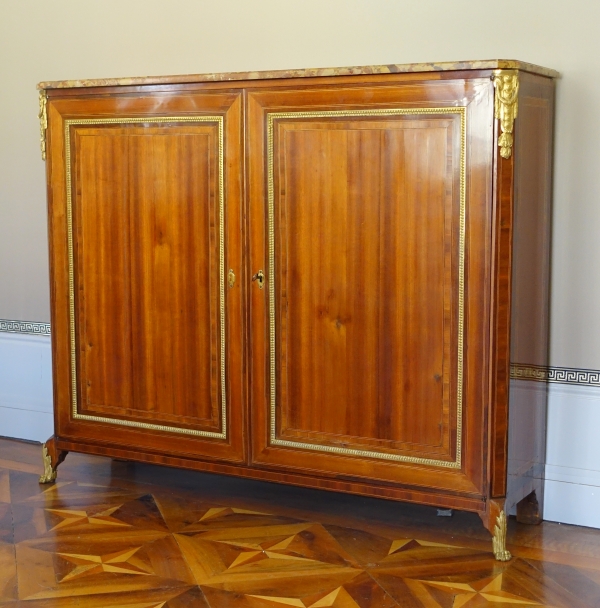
(351, 484)
(150, 336)
(149, 320)
(489, 515)
(363, 252)
(366, 216)
(500, 321)
(115, 534)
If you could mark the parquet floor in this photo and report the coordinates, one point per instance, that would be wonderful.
(114, 534)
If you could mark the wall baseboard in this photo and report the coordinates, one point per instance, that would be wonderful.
(25, 386)
(572, 503)
(572, 473)
(26, 424)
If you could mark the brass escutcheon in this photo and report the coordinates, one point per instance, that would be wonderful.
(260, 277)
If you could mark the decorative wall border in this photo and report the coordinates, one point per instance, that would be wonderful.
(24, 327)
(558, 375)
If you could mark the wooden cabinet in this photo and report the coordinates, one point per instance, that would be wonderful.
(306, 277)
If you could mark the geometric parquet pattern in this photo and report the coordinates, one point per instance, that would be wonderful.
(81, 543)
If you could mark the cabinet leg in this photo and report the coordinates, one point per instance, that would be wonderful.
(529, 510)
(501, 553)
(51, 458)
(494, 519)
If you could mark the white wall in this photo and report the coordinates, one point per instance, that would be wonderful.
(73, 39)
(573, 455)
(25, 387)
(66, 39)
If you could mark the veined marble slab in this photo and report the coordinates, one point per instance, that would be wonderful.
(492, 64)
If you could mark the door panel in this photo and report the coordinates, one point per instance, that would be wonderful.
(153, 216)
(351, 232)
(363, 219)
(157, 278)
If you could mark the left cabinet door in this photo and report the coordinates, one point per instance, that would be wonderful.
(145, 197)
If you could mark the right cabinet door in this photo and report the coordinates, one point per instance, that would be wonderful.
(370, 216)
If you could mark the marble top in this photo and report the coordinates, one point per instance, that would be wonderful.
(491, 64)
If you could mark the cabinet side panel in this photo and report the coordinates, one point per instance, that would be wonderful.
(530, 287)
(532, 215)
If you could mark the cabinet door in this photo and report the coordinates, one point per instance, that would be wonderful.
(370, 217)
(145, 225)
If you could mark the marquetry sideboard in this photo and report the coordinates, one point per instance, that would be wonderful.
(316, 277)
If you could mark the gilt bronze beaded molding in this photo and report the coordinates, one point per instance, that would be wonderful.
(372, 113)
(161, 121)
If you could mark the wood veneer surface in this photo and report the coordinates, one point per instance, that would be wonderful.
(366, 212)
(111, 533)
(157, 337)
(380, 246)
(376, 359)
(150, 362)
